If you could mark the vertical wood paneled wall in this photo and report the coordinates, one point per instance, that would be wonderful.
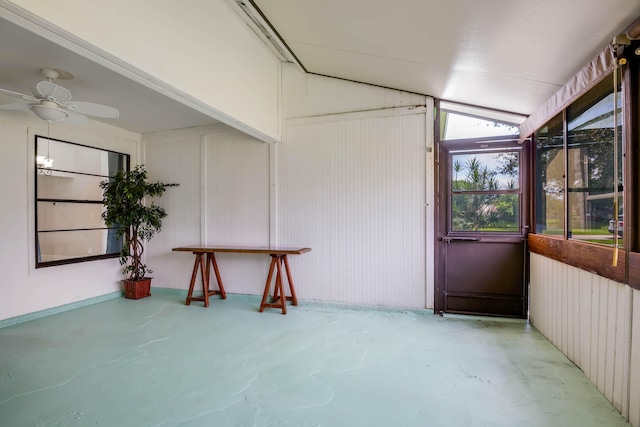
(309, 95)
(237, 206)
(223, 198)
(353, 187)
(595, 322)
(355, 182)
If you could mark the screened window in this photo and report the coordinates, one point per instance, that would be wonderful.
(579, 178)
(69, 226)
(594, 175)
(485, 191)
(549, 194)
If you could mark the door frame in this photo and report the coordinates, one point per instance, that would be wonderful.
(442, 197)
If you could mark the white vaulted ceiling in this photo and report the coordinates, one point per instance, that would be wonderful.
(506, 54)
(509, 55)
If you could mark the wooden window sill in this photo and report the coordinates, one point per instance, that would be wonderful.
(597, 259)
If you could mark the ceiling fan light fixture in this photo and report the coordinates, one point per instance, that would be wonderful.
(49, 113)
(47, 162)
(40, 161)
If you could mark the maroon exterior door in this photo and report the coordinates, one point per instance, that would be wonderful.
(482, 225)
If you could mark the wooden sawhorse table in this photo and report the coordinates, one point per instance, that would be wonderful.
(278, 258)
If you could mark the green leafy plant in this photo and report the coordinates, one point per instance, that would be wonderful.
(124, 200)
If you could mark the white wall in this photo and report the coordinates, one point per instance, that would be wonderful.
(595, 322)
(223, 199)
(309, 95)
(24, 289)
(355, 183)
(200, 48)
(354, 190)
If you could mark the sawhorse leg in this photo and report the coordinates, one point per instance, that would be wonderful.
(211, 260)
(204, 274)
(279, 297)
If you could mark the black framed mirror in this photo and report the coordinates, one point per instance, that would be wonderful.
(68, 202)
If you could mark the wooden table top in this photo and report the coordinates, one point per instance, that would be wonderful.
(271, 250)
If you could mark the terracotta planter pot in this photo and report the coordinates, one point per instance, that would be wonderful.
(136, 289)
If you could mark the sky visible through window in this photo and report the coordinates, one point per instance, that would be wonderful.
(495, 164)
(461, 127)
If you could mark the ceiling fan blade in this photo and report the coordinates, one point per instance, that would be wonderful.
(49, 90)
(76, 118)
(16, 106)
(92, 109)
(18, 95)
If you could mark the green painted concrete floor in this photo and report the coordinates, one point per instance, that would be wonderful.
(157, 362)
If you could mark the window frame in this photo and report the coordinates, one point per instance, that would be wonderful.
(38, 170)
(518, 192)
(534, 182)
(593, 257)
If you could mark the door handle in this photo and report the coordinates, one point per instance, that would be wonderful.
(449, 239)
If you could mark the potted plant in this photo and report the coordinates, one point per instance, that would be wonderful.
(123, 198)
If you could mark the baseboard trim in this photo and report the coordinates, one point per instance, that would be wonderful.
(59, 309)
(254, 298)
(183, 294)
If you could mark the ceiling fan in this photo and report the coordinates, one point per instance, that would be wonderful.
(51, 102)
